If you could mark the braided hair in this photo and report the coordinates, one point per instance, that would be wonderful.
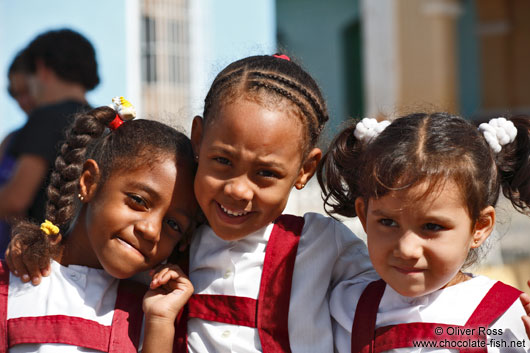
(275, 76)
(135, 143)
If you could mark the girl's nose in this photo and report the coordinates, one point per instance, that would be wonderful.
(149, 229)
(408, 246)
(239, 189)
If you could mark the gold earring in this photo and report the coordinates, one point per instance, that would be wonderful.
(80, 197)
(300, 186)
(475, 241)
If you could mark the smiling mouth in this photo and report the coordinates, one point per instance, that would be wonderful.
(131, 248)
(233, 213)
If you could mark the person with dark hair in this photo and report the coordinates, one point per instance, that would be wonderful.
(258, 273)
(62, 67)
(120, 199)
(18, 78)
(425, 188)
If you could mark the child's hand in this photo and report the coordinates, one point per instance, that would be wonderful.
(26, 264)
(525, 299)
(169, 291)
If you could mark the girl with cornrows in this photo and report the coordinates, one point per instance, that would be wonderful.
(118, 204)
(424, 188)
(261, 278)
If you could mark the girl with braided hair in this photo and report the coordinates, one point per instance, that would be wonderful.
(262, 278)
(119, 202)
(424, 188)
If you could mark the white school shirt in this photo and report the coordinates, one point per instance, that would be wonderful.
(452, 305)
(328, 253)
(75, 290)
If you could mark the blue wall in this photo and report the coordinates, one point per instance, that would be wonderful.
(101, 21)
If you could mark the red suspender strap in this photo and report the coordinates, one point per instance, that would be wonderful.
(127, 319)
(276, 280)
(4, 288)
(498, 299)
(74, 331)
(363, 329)
(224, 308)
(495, 303)
(269, 314)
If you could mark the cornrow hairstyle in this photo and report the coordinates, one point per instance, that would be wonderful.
(427, 147)
(271, 75)
(137, 142)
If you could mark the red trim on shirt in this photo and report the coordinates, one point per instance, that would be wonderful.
(224, 308)
(63, 329)
(366, 339)
(122, 336)
(271, 311)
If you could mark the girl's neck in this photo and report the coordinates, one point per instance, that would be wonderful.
(458, 278)
(76, 248)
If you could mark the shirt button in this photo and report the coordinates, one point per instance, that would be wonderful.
(74, 276)
(227, 274)
(226, 334)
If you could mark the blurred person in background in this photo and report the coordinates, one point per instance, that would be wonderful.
(61, 67)
(18, 89)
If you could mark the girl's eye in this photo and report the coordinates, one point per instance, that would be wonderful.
(433, 227)
(387, 222)
(267, 174)
(137, 200)
(222, 160)
(174, 225)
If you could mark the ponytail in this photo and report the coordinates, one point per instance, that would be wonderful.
(513, 165)
(338, 173)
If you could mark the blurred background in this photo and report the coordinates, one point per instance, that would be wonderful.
(370, 57)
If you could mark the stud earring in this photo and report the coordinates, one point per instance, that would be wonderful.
(300, 186)
(475, 241)
(196, 157)
(80, 197)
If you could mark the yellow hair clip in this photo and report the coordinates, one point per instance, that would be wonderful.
(49, 228)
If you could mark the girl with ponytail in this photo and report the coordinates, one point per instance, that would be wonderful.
(425, 188)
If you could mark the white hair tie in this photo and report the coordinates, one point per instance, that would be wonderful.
(369, 128)
(498, 132)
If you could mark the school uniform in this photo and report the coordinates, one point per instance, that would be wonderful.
(269, 291)
(480, 314)
(76, 308)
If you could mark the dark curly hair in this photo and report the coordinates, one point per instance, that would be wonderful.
(69, 54)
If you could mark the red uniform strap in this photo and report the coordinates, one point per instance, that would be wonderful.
(122, 336)
(276, 281)
(4, 288)
(363, 329)
(224, 308)
(127, 319)
(269, 314)
(498, 299)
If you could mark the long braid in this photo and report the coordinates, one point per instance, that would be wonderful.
(64, 180)
(63, 187)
